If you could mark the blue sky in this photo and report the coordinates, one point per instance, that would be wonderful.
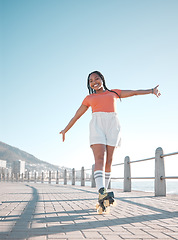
(48, 48)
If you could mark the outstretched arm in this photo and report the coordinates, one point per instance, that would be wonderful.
(130, 93)
(82, 109)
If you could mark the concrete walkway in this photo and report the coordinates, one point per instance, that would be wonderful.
(42, 211)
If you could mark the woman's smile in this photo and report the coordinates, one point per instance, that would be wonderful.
(96, 82)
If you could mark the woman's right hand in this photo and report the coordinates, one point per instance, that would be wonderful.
(82, 109)
(63, 135)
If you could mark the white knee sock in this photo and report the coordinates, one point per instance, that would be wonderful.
(107, 179)
(99, 179)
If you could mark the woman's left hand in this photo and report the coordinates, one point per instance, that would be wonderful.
(156, 91)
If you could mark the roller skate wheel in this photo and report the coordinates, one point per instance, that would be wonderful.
(107, 211)
(100, 210)
(114, 203)
(106, 203)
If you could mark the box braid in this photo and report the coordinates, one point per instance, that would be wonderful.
(91, 91)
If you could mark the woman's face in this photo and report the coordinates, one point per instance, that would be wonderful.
(95, 81)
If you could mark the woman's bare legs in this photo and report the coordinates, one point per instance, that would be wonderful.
(102, 174)
(99, 151)
(109, 158)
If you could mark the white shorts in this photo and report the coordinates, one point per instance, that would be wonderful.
(105, 129)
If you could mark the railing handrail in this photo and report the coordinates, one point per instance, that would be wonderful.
(168, 154)
(167, 177)
(142, 160)
(70, 174)
(136, 161)
(147, 159)
(141, 177)
(117, 164)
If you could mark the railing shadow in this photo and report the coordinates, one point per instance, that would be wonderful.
(23, 221)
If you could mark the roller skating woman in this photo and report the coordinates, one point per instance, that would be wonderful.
(104, 129)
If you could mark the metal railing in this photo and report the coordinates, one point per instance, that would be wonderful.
(81, 176)
(160, 183)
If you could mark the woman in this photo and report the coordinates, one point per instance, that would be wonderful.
(104, 126)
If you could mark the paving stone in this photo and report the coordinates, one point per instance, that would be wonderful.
(38, 238)
(112, 237)
(32, 211)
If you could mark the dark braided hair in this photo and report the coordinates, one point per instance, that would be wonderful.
(91, 91)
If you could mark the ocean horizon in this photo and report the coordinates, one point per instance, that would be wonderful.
(148, 186)
(138, 185)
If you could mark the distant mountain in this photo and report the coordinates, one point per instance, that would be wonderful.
(11, 154)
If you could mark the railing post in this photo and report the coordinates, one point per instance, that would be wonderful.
(160, 184)
(16, 177)
(22, 179)
(82, 176)
(3, 176)
(57, 177)
(65, 177)
(7, 177)
(35, 175)
(42, 177)
(12, 177)
(127, 175)
(73, 176)
(49, 177)
(28, 177)
(93, 184)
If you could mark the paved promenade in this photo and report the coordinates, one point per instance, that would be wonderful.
(42, 211)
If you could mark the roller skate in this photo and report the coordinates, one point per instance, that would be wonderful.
(104, 201)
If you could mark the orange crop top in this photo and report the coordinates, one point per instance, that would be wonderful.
(102, 102)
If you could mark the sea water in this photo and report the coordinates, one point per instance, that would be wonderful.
(140, 185)
(137, 185)
(148, 186)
